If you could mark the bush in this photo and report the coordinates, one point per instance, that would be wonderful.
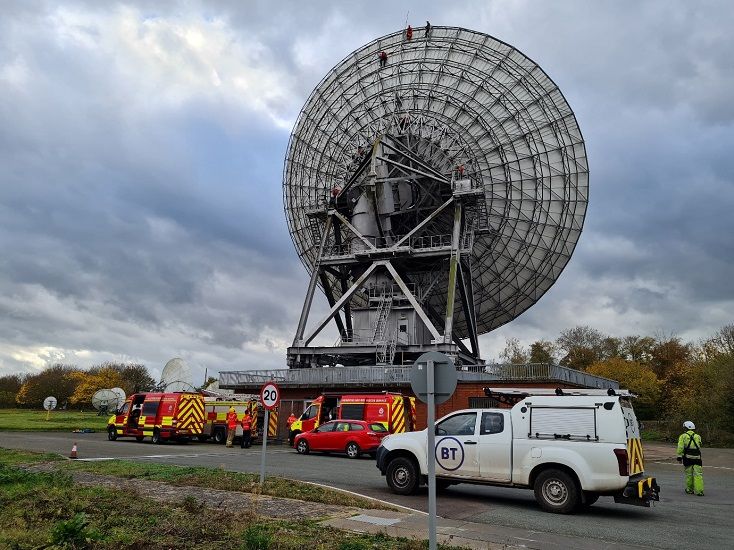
(257, 537)
(74, 533)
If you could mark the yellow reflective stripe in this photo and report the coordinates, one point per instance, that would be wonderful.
(273, 424)
(148, 432)
(636, 456)
(397, 417)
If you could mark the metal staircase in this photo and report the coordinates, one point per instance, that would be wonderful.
(383, 312)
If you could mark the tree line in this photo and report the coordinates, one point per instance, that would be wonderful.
(72, 386)
(674, 380)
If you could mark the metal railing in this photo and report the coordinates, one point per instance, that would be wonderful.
(397, 375)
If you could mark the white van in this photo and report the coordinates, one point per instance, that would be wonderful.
(569, 446)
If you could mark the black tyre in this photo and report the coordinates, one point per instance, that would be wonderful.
(589, 499)
(557, 492)
(353, 450)
(220, 436)
(442, 484)
(157, 439)
(302, 447)
(402, 476)
(111, 433)
(139, 438)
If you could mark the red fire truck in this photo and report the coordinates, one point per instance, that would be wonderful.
(160, 416)
(393, 410)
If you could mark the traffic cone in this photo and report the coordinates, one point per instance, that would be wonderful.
(73, 451)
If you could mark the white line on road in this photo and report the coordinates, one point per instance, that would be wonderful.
(413, 510)
(707, 467)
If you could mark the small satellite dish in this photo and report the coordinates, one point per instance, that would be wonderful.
(176, 376)
(50, 403)
(105, 401)
(120, 395)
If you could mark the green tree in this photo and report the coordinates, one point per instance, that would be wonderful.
(580, 346)
(668, 352)
(639, 379)
(542, 351)
(637, 348)
(57, 380)
(9, 387)
(514, 352)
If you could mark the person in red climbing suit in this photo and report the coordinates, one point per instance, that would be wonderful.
(382, 56)
(409, 33)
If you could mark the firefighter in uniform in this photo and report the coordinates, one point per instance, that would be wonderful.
(689, 453)
(291, 419)
(246, 430)
(231, 425)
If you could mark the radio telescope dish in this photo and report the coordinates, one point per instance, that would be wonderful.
(120, 395)
(106, 400)
(176, 376)
(50, 403)
(454, 122)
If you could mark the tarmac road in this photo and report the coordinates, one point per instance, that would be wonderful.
(678, 520)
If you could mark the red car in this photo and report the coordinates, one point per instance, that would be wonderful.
(353, 437)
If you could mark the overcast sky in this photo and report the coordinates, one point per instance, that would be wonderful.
(141, 157)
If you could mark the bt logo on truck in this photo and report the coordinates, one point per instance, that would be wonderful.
(449, 453)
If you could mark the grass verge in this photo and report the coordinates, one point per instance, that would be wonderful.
(49, 509)
(195, 476)
(13, 457)
(35, 421)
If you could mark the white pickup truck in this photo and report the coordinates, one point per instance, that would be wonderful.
(569, 449)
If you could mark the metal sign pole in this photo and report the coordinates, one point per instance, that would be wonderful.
(431, 456)
(266, 425)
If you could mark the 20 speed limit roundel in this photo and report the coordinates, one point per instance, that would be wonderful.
(270, 395)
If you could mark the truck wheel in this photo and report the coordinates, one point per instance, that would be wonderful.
(402, 476)
(353, 450)
(220, 436)
(590, 498)
(556, 492)
(157, 439)
(139, 438)
(111, 433)
(302, 447)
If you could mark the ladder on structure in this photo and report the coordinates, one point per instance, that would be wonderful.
(383, 312)
(385, 352)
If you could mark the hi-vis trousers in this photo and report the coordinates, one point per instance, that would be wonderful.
(694, 479)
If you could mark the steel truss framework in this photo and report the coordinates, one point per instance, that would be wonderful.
(456, 104)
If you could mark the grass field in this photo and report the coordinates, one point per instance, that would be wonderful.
(66, 421)
(42, 510)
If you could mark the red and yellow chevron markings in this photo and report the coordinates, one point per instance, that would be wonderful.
(397, 415)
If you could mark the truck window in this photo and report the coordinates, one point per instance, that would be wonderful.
(352, 412)
(459, 424)
(492, 423)
(125, 408)
(310, 413)
(150, 408)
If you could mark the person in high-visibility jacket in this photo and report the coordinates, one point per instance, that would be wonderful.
(689, 453)
(231, 425)
(246, 431)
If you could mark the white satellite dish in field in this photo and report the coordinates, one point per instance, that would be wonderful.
(120, 395)
(50, 403)
(105, 400)
(176, 376)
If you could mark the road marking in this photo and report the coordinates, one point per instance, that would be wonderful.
(413, 510)
(707, 467)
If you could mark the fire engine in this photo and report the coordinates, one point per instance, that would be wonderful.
(393, 410)
(215, 424)
(160, 416)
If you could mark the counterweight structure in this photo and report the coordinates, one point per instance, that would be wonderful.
(433, 197)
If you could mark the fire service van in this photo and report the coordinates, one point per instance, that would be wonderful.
(394, 411)
(161, 416)
(569, 446)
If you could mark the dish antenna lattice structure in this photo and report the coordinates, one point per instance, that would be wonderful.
(106, 400)
(434, 196)
(176, 376)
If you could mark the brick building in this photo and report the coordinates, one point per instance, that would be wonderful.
(300, 386)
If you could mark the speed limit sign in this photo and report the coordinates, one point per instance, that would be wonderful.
(270, 396)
